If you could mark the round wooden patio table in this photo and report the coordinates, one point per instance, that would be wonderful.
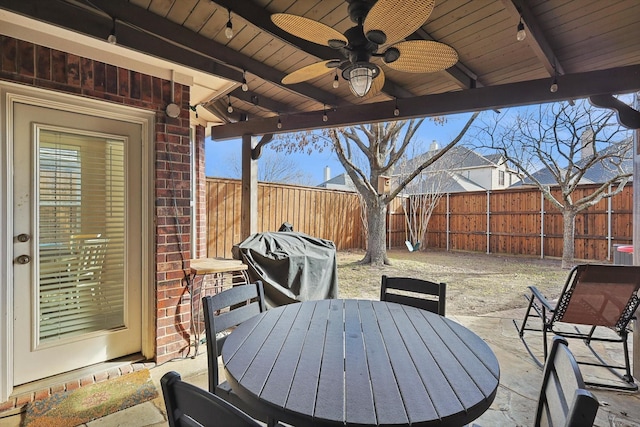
(370, 363)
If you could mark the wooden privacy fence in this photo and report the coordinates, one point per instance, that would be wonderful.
(522, 222)
(327, 214)
(515, 221)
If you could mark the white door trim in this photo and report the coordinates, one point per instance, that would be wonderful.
(11, 93)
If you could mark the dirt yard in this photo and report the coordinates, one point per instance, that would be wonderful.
(476, 283)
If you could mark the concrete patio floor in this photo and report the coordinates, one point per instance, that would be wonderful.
(514, 404)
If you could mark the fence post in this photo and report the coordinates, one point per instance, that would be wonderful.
(609, 225)
(488, 221)
(448, 220)
(541, 225)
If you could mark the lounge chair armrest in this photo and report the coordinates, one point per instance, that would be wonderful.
(535, 293)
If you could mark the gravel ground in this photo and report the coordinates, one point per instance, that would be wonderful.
(476, 283)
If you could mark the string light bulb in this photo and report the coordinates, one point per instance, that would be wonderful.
(279, 124)
(554, 85)
(396, 111)
(229, 106)
(112, 39)
(325, 118)
(521, 34)
(228, 31)
(336, 82)
(245, 86)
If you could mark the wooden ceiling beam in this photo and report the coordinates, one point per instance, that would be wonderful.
(536, 38)
(162, 27)
(571, 86)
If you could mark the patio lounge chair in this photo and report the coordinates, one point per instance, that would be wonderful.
(595, 300)
(563, 399)
(191, 406)
(417, 293)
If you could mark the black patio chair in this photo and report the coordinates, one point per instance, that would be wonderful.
(223, 312)
(563, 400)
(595, 300)
(191, 406)
(417, 293)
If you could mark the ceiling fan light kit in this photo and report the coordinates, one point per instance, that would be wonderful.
(384, 23)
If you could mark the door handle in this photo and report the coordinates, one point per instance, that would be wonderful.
(23, 259)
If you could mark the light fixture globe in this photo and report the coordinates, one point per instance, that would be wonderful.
(360, 76)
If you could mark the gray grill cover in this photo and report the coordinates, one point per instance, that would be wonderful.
(292, 266)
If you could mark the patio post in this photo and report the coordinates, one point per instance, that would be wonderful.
(636, 241)
(249, 210)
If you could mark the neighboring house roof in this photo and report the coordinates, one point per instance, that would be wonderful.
(339, 182)
(449, 168)
(600, 172)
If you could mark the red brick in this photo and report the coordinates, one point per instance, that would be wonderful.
(9, 404)
(73, 70)
(41, 394)
(26, 58)
(9, 54)
(23, 399)
(43, 63)
(86, 74)
(58, 66)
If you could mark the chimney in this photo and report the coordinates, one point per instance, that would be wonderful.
(327, 173)
(587, 142)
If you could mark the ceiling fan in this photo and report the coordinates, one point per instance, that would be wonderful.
(380, 29)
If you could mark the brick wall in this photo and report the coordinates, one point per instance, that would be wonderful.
(38, 66)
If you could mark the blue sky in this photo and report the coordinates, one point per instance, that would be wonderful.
(219, 155)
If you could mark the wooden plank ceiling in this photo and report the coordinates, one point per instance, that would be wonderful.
(591, 47)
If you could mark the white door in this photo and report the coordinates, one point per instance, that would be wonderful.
(77, 240)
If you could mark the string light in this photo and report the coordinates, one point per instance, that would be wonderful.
(521, 34)
(112, 39)
(554, 85)
(279, 124)
(325, 118)
(229, 106)
(228, 31)
(336, 82)
(396, 111)
(245, 86)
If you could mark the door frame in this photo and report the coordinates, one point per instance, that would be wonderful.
(11, 93)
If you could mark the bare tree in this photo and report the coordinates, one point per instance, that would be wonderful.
(566, 145)
(274, 167)
(369, 152)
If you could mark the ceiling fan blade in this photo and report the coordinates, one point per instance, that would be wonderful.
(423, 56)
(310, 72)
(309, 30)
(396, 18)
(376, 86)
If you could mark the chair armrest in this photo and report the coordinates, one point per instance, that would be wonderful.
(535, 293)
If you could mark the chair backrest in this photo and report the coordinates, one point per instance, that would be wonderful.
(90, 251)
(191, 406)
(418, 293)
(222, 312)
(599, 295)
(563, 399)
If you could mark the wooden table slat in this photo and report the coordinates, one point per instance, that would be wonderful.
(277, 388)
(466, 361)
(359, 406)
(424, 398)
(260, 369)
(383, 381)
(330, 400)
(302, 397)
